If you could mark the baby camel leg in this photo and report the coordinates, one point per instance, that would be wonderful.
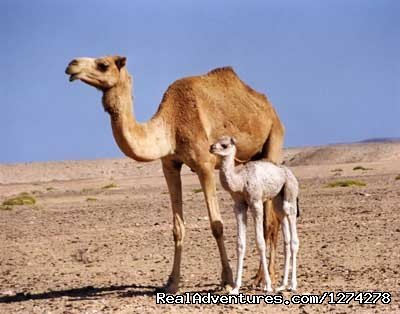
(286, 241)
(294, 248)
(257, 211)
(241, 220)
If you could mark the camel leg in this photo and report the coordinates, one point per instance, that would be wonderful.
(207, 181)
(294, 248)
(172, 175)
(257, 211)
(271, 228)
(287, 249)
(241, 221)
(274, 221)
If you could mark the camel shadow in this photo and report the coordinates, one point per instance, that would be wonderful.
(198, 289)
(92, 293)
(83, 293)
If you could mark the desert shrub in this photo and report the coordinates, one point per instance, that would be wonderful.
(21, 199)
(110, 186)
(345, 183)
(397, 177)
(337, 170)
(361, 168)
(197, 190)
(91, 199)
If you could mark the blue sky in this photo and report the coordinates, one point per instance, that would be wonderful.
(331, 68)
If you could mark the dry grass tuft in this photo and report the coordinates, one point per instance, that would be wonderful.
(110, 186)
(361, 168)
(2, 207)
(21, 199)
(345, 183)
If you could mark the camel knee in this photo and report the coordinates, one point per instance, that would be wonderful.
(290, 208)
(240, 248)
(178, 230)
(261, 246)
(287, 243)
(260, 243)
(294, 245)
(241, 243)
(217, 229)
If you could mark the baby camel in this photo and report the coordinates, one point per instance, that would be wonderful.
(250, 186)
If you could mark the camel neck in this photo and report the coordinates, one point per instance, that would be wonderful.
(140, 141)
(230, 180)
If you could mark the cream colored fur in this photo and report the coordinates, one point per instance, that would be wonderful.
(250, 186)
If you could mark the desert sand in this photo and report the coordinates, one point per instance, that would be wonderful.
(99, 238)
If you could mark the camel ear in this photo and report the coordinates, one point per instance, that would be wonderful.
(233, 141)
(120, 61)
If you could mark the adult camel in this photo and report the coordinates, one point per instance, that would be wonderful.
(193, 114)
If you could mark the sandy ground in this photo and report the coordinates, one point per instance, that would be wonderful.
(87, 249)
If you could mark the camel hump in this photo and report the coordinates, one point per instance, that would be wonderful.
(222, 70)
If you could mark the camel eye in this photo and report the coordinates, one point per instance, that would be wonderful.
(102, 66)
(224, 146)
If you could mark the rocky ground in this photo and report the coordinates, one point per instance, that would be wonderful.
(100, 241)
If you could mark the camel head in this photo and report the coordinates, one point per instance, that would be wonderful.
(102, 73)
(225, 146)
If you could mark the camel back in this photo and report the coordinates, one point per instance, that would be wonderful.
(219, 103)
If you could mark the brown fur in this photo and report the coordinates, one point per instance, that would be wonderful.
(194, 113)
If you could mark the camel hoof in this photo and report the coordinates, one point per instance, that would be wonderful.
(292, 288)
(268, 289)
(258, 280)
(280, 288)
(256, 283)
(234, 291)
(169, 288)
(227, 280)
(228, 287)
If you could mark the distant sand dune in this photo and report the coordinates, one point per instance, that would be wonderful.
(343, 153)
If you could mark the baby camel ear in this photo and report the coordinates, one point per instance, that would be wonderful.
(120, 61)
(233, 141)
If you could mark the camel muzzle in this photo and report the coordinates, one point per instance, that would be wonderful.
(69, 71)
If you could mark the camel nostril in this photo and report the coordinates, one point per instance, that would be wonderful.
(73, 62)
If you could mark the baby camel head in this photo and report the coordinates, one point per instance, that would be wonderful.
(102, 73)
(225, 146)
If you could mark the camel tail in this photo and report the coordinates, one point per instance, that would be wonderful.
(298, 207)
